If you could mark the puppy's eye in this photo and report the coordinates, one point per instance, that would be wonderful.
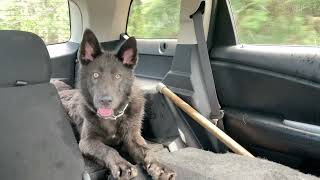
(96, 75)
(117, 76)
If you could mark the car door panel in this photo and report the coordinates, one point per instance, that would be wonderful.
(270, 132)
(155, 57)
(63, 58)
(260, 90)
(301, 62)
(271, 96)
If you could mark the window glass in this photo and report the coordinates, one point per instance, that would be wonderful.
(154, 19)
(47, 18)
(285, 22)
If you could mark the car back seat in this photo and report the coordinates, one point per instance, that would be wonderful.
(37, 142)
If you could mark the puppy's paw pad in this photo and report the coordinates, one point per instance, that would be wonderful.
(127, 170)
(123, 170)
(160, 171)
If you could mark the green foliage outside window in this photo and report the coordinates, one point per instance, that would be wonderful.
(285, 22)
(154, 18)
(47, 18)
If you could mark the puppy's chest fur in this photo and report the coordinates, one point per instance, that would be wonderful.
(108, 131)
(111, 131)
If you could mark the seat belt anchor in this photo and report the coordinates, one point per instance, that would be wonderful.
(216, 118)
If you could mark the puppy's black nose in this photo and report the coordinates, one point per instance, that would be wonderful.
(106, 100)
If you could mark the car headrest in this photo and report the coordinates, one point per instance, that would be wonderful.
(24, 59)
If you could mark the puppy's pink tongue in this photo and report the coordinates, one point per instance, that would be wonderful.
(105, 112)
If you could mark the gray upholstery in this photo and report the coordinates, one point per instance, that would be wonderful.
(37, 142)
(36, 139)
(23, 57)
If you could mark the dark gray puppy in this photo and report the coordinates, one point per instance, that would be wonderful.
(108, 109)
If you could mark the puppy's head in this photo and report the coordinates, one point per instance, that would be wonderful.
(106, 78)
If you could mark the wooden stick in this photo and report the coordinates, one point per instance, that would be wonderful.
(204, 122)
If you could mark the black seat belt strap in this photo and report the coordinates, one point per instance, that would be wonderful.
(216, 112)
(205, 65)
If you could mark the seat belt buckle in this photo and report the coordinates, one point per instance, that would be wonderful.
(216, 118)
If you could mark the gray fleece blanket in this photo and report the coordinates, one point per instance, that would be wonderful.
(194, 164)
(191, 163)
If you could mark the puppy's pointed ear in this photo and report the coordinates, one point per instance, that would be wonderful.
(128, 52)
(89, 47)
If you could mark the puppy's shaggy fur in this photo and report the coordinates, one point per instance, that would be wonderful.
(107, 88)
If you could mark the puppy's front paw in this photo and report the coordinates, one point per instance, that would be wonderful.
(159, 171)
(122, 170)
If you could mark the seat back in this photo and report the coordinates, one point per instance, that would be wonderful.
(37, 142)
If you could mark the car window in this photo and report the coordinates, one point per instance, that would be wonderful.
(47, 18)
(285, 22)
(154, 19)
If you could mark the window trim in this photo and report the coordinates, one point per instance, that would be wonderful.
(76, 32)
(221, 21)
(128, 14)
(233, 22)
